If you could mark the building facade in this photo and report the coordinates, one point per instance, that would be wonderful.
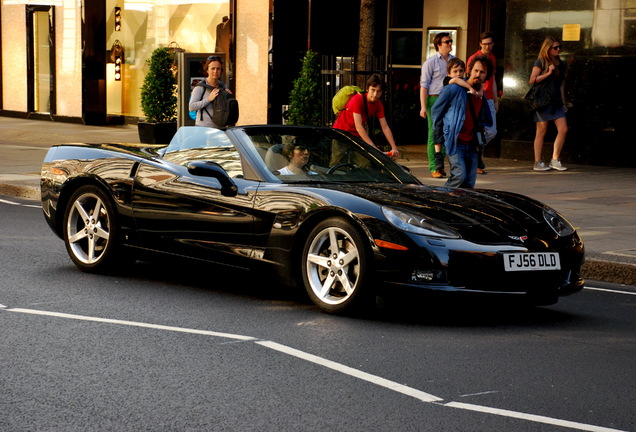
(57, 64)
(57, 59)
(598, 39)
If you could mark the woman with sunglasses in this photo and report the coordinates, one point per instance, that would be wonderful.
(298, 156)
(549, 72)
(209, 98)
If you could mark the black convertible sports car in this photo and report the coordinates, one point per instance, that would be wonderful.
(316, 206)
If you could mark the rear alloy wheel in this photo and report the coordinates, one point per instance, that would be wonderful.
(336, 266)
(90, 231)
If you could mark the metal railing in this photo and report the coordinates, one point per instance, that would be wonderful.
(339, 71)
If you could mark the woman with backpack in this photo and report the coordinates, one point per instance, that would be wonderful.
(211, 99)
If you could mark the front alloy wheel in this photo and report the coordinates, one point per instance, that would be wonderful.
(336, 266)
(89, 229)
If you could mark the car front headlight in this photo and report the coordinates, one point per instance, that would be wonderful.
(416, 223)
(558, 223)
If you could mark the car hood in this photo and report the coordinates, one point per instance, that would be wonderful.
(474, 213)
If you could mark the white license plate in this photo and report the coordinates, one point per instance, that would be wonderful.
(527, 261)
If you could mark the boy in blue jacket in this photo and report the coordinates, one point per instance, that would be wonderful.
(455, 69)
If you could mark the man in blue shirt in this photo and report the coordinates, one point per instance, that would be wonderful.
(432, 82)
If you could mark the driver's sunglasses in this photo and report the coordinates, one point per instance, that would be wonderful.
(448, 41)
(301, 148)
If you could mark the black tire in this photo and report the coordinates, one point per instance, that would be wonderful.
(336, 266)
(91, 232)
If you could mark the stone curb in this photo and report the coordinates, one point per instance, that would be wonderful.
(25, 192)
(607, 271)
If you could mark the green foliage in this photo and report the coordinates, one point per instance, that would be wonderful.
(305, 102)
(158, 93)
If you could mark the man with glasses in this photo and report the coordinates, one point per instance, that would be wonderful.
(490, 92)
(432, 82)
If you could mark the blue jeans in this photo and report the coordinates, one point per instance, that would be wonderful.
(490, 131)
(463, 167)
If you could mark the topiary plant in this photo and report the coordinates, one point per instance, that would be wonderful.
(305, 102)
(158, 93)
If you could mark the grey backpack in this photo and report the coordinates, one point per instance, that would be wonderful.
(225, 110)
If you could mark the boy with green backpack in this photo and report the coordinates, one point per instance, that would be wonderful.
(359, 107)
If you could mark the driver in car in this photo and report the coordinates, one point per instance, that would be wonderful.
(298, 156)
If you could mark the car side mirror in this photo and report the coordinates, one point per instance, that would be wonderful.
(214, 170)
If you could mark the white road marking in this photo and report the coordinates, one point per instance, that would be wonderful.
(132, 324)
(9, 202)
(391, 385)
(479, 394)
(19, 204)
(374, 379)
(611, 290)
(530, 417)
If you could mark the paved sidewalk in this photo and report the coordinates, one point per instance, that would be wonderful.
(599, 201)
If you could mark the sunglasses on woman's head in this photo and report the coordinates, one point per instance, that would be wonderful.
(214, 58)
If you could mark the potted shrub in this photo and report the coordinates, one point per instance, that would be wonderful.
(305, 102)
(159, 100)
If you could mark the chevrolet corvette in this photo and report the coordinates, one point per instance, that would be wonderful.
(312, 206)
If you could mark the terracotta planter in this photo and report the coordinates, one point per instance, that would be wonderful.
(156, 133)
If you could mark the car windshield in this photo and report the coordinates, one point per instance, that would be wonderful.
(305, 154)
(192, 143)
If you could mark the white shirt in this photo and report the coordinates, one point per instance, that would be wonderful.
(433, 73)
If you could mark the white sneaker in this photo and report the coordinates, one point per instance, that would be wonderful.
(540, 166)
(556, 164)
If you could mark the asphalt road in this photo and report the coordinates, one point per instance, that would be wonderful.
(177, 348)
